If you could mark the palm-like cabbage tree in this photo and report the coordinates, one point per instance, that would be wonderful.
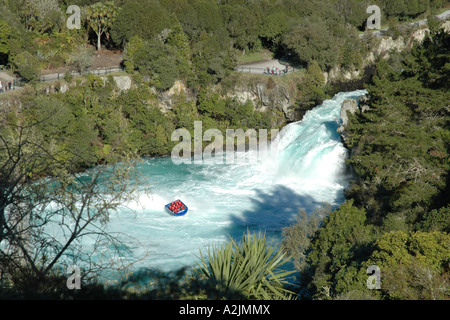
(100, 18)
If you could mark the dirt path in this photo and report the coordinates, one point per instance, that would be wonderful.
(260, 67)
(4, 76)
(104, 59)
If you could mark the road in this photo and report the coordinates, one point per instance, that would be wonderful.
(5, 77)
(56, 76)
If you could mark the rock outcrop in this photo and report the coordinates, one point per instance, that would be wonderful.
(350, 106)
(166, 98)
(267, 93)
(123, 83)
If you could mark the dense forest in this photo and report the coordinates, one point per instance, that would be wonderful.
(397, 213)
(197, 41)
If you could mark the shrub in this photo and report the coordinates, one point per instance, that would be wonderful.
(27, 66)
(251, 268)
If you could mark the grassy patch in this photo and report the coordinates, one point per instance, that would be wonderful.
(255, 56)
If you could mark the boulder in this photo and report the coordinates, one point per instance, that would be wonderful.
(349, 105)
(123, 83)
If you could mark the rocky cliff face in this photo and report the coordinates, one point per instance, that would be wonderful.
(266, 93)
(351, 106)
(265, 97)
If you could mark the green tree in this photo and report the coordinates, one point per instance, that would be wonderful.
(273, 27)
(311, 88)
(211, 104)
(178, 39)
(436, 220)
(297, 237)
(26, 65)
(131, 48)
(402, 168)
(312, 40)
(212, 59)
(159, 61)
(100, 18)
(143, 18)
(5, 32)
(413, 265)
(209, 18)
(242, 26)
(353, 12)
(406, 9)
(42, 16)
(430, 61)
(337, 250)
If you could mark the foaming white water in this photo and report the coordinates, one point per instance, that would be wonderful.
(225, 200)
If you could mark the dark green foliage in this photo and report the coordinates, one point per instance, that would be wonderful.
(302, 31)
(273, 27)
(212, 59)
(143, 18)
(5, 32)
(203, 36)
(353, 12)
(336, 252)
(436, 220)
(404, 165)
(430, 62)
(406, 9)
(311, 40)
(242, 26)
(323, 35)
(414, 266)
(27, 65)
(159, 61)
(311, 88)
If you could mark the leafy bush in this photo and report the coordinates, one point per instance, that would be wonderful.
(82, 59)
(413, 265)
(27, 65)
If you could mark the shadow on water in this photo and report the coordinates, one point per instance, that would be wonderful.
(332, 127)
(270, 211)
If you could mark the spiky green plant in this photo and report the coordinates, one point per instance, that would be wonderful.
(250, 269)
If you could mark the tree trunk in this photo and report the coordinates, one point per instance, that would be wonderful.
(99, 37)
